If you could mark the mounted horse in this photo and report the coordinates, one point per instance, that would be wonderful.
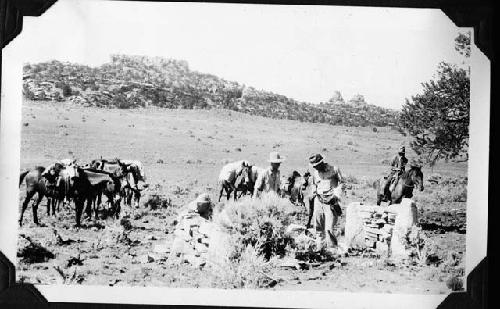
(410, 179)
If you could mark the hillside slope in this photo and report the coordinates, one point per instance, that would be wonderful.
(140, 81)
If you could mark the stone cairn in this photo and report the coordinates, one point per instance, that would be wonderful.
(383, 228)
(377, 225)
(198, 241)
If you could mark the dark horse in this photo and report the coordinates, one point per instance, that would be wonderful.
(42, 186)
(300, 192)
(88, 187)
(130, 185)
(404, 187)
(242, 183)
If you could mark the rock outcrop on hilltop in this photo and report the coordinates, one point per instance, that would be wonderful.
(140, 81)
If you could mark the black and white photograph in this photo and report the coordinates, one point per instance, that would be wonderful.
(276, 148)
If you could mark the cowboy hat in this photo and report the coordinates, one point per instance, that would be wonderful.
(275, 157)
(316, 159)
(202, 203)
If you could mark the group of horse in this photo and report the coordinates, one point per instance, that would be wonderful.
(298, 187)
(84, 185)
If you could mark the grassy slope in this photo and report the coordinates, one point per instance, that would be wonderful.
(193, 145)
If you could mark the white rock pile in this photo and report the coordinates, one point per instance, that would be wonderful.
(199, 241)
(384, 228)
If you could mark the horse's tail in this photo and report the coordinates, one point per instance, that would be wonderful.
(22, 175)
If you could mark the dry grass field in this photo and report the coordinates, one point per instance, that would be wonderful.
(183, 151)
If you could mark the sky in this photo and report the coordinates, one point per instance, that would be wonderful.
(303, 52)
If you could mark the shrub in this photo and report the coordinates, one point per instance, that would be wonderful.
(33, 252)
(66, 90)
(158, 201)
(351, 179)
(455, 284)
(249, 270)
(260, 223)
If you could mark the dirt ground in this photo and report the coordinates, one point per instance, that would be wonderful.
(183, 151)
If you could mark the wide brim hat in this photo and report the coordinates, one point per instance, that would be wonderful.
(202, 203)
(316, 159)
(275, 157)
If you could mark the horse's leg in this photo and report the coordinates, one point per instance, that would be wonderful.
(310, 202)
(53, 205)
(129, 197)
(35, 207)
(138, 196)
(79, 204)
(97, 204)
(88, 210)
(136, 193)
(29, 196)
(221, 191)
(49, 201)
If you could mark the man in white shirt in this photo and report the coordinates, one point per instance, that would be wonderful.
(269, 179)
(327, 189)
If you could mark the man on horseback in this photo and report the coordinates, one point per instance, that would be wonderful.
(398, 165)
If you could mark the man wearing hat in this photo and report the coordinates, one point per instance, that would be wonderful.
(397, 168)
(327, 187)
(269, 180)
(202, 205)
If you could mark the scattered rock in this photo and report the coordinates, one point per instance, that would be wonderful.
(433, 259)
(112, 282)
(125, 223)
(74, 261)
(161, 249)
(145, 259)
(290, 263)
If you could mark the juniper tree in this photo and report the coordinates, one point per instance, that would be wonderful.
(438, 118)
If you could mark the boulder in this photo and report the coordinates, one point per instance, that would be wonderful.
(406, 217)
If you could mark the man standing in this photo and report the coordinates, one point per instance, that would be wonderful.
(269, 180)
(398, 164)
(327, 187)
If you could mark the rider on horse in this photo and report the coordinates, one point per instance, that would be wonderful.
(397, 168)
